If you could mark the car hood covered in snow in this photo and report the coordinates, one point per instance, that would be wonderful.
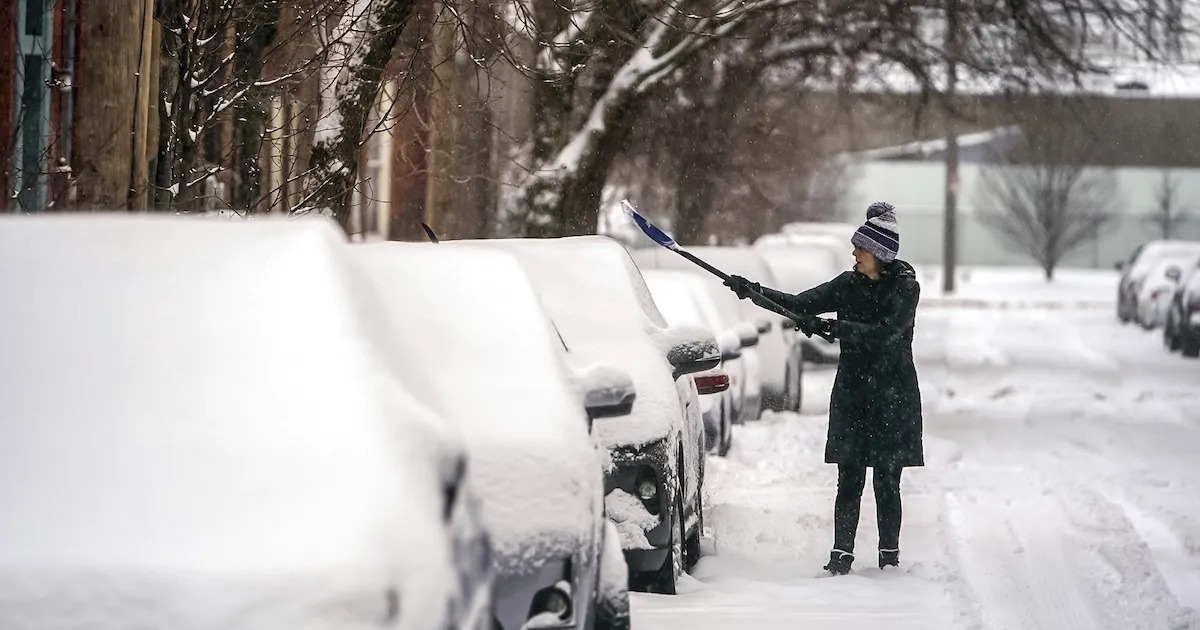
(476, 346)
(605, 314)
(199, 435)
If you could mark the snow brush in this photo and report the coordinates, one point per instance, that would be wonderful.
(661, 237)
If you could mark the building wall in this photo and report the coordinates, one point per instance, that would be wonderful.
(916, 189)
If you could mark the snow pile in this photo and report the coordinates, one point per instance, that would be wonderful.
(601, 306)
(476, 346)
(199, 430)
(631, 518)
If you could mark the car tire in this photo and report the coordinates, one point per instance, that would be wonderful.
(666, 579)
(1190, 347)
(611, 604)
(726, 439)
(1170, 339)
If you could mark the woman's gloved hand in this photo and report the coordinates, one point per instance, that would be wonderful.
(743, 287)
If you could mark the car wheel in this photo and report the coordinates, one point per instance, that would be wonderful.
(798, 397)
(667, 578)
(611, 604)
(1190, 347)
(1170, 339)
(691, 545)
(726, 437)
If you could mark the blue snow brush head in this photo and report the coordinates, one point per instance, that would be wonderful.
(651, 230)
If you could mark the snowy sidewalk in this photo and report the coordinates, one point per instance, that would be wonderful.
(1062, 491)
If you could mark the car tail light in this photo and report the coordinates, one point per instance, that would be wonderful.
(712, 383)
(1158, 293)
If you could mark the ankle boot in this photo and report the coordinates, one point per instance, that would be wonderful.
(889, 558)
(839, 562)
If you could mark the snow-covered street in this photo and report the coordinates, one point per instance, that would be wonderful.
(1062, 490)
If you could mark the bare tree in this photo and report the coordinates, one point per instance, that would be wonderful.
(1041, 199)
(1168, 213)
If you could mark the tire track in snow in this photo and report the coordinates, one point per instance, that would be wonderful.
(1015, 561)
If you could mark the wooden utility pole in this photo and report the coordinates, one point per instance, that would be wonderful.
(139, 175)
(107, 88)
(950, 227)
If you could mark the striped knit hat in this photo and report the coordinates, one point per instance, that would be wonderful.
(880, 235)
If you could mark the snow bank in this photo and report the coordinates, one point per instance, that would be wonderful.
(601, 306)
(477, 347)
(631, 519)
(1019, 287)
(199, 430)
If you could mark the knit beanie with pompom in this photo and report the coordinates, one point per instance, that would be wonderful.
(880, 235)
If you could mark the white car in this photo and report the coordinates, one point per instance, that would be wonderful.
(1135, 272)
(473, 342)
(200, 434)
(801, 264)
(597, 299)
(1157, 287)
(683, 300)
(759, 360)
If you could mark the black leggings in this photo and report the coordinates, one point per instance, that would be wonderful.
(851, 479)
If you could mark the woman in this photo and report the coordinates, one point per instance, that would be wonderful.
(875, 409)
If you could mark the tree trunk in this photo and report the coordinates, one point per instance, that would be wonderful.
(336, 152)
(106, 81)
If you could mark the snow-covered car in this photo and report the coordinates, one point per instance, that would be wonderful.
(841, 232)
(201, 434)
(779, 350)
(682, 300)
(600, 304)
(473, 342)
(1134, 272)
(1158, 287)
(801, 264)
(732, 332)
(1182, 329)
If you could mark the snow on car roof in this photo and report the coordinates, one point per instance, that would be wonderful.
(588, 283)
(1156, 250)
(681, 298)
(800, 268)
(601, 305)
(198, 399)
(478, 348)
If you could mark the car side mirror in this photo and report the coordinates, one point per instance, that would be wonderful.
(1174, 274)
(690, 349)
(764, 326)
(730, 345)
(748, 334)
(714, 383)
(607, 392)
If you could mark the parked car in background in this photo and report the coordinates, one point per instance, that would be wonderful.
(600, 304)
(201, 434)
(683, 300)
(840, 232)
(1135, 271)
(779, 352)
(801, 263)
(1182, 328)
(1156, 290)
(503, 379)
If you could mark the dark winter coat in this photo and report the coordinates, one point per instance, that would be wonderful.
(875, 410)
